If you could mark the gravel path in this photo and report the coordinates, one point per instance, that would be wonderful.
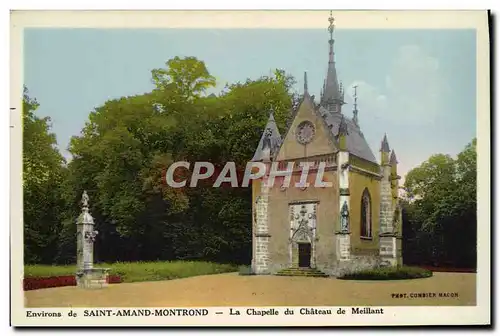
(235, 290)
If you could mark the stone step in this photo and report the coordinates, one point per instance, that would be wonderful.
(306, 272)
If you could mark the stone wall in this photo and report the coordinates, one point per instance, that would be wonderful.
(280, 226)
(354, 264)
(261, 235)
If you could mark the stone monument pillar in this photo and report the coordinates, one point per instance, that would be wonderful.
(87, 276)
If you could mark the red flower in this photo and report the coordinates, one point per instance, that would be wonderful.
(33, 283)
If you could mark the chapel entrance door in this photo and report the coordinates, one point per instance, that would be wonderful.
(305, 255)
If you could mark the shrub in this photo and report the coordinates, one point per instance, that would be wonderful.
(388, 273)
(246, 270)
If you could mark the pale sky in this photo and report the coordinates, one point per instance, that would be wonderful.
(418, 86)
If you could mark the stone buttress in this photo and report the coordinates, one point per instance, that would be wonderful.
(343, 230)
(268, 145)
(387, 233)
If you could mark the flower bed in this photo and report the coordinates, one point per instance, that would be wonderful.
(32, 283)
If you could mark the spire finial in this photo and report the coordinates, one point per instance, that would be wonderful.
(355, 87)
(355, 107)
(305, 83)
(331, 28)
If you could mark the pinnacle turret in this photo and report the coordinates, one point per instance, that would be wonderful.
(393, 160)
(343, 127)
(384, 147)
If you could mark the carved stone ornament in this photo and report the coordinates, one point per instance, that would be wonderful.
(305, 132)
(90, 236)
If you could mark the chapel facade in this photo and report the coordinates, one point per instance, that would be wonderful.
(354, 224)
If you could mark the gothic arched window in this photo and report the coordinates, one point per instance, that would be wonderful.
(366, 215)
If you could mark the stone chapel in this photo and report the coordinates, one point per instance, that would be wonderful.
(354, 225)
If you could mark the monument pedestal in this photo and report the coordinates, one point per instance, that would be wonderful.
(92, 278)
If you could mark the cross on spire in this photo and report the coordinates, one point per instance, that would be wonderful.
(331, 27)
(355, 87)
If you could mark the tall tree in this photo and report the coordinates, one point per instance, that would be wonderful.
(128, 143)
(42, 177)
(441, 219)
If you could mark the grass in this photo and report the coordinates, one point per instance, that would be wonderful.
(138, 271)
(245, 270)
(389, 273)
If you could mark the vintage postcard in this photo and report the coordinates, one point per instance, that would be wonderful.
(250, 168)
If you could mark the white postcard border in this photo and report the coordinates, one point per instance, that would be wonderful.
(278, 20)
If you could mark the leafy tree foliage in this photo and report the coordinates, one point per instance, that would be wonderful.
(440, 216)
(128, 143)
(43, 173)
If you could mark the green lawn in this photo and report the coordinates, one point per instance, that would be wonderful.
(139, 271)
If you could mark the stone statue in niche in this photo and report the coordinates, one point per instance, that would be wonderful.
(344, 218)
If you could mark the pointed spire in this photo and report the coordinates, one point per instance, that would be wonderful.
(332, 97)
(393, 160)
(384, 148)
(355, 106)
(269, 142)
(306, 91)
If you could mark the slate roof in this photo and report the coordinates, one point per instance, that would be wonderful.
(355, 140)
(275, 139)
